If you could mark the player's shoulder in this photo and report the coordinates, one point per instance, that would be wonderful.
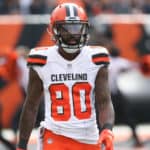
(38, 56)
(98, 54)
(41, 50)
(97, 49)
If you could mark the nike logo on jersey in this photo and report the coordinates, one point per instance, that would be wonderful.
(68, 76)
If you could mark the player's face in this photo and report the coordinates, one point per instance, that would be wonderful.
(71, 33)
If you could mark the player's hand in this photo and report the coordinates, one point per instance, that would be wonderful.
(106, 138)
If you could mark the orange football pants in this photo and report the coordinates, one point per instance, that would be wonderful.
(53, 141)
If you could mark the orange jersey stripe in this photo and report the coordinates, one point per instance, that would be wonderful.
(101, 59)
(36, 60)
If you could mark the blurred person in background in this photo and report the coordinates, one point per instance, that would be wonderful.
(136, 6)
(22, 52)
(13, 79)
(123, 110)
(88, 7)
(25, 6)
(50, 5)
(37, 7)
(9, 74)
(73, 77)
(9, 7)
(8, 66)
(146, 7)
(121, 6)
(106, 7)
(118, 65)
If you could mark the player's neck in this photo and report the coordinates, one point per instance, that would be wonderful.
(68, 56)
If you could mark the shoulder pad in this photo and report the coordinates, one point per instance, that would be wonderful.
(100, 55)
(37, 57)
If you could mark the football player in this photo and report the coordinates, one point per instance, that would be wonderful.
(73, 77)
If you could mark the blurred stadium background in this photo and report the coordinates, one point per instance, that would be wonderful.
(123, 26)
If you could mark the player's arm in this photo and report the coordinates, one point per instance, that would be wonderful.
(30, 109)
(105, 108)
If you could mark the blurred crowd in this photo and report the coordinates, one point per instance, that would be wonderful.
(93, 8)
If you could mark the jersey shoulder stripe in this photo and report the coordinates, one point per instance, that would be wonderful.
(36, 60)
(37, 57)
(100, 55)
(101, 58)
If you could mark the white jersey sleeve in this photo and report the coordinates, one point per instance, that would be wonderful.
(37, 59)
(100, 55)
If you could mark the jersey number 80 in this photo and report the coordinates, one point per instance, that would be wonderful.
(60, 104)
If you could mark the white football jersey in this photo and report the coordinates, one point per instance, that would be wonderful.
(69, 90)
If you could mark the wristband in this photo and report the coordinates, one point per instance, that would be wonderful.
(107, 126)
(22, 145)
